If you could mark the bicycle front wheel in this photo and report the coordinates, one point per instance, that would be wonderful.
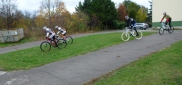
(61, 43)
(45, 46)
(69, 39)
(170, 30)
(140, 34)
(161, 31)
(125, 36)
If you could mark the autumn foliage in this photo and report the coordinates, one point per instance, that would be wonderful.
(91, 15)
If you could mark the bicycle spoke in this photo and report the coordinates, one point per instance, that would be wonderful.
(61, 43)
(125, 36)
(69, 40)
(140, 34)
(161, 31)
(45, 46)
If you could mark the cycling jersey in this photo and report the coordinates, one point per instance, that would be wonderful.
(50, 32)
(61, 30)
(131, 22)
(167, 17)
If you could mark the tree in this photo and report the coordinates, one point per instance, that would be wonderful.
(141, 15)
(53, 11)
(7, 13)
(61, 14)
(122, 12)
(132, 8)
(77, 22)
(103, 10)
(149, 15)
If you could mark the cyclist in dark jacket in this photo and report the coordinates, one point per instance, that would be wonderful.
(130, 23)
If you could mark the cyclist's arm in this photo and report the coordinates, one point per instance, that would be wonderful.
(162, 19)
(128, 23)
(58, 32)
(47, 35)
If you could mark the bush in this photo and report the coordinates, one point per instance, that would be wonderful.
(34, 33)
(118, 25)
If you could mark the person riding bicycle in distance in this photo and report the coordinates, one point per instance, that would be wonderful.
(50, 35)
(61, 31)
(130, 23)
(168, 19)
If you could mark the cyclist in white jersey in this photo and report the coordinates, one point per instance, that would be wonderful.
(50, 35)
(62, 30)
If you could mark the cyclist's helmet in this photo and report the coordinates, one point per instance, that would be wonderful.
(44, 27)
(126, 17)
(56, 27)
(164, 13)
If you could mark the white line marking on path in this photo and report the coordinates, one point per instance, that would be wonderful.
(2, 72)
(17, 81)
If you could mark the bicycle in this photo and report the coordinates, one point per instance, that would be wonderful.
(46, 45)
(68, 39)
(165, 27)
(125, 36)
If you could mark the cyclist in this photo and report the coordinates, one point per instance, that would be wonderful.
(130, 23)
(61, 30)
(50, 35)
(168, 19)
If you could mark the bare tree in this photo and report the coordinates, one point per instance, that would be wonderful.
(48, 6)
(53, 10)
(8, 9)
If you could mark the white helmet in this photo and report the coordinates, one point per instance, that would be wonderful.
(56, 27)
(44, 27)
(126, 17)
(164, 13)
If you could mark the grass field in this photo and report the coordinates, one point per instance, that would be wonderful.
(160, 68)
(34, 57)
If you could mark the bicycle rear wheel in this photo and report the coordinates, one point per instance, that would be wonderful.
(170, 30)
(161, 31)
(45, 46)
(69, 39)
(61, 43)
(125, 36)
(140, 34)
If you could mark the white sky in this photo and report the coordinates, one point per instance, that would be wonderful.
(33, 5)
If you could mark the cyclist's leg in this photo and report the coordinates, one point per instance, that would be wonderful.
(135, 29)
(62, 35)
(52, 36)
(54, 39)
(170, 22)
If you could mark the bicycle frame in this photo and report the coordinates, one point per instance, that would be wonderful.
(129, 31)
(50, 41)
(164, 26)
(125, 36)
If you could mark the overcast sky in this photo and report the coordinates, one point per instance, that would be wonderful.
(33, 5)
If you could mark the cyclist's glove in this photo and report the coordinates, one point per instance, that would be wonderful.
(47, 38)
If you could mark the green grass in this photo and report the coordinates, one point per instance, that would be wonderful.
(34, 57)
(16, 43)
(160, 68)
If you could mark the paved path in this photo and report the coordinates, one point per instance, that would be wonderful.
(83, 68)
